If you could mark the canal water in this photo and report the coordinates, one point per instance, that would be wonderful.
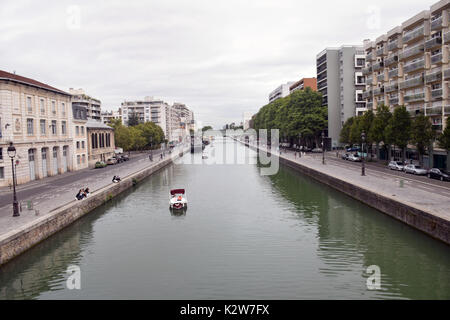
(244, 236)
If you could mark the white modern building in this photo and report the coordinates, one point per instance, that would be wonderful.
(108, 116)
(280, 92)
(341, 82)
(93, 106)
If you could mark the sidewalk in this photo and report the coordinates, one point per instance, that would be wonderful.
(52, 195)
(433, 199)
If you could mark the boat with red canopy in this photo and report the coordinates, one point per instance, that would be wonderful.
(178, 199)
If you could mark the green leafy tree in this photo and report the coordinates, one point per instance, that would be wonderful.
(444, 141)
(344, 136)
(355, 131)
(401, 128)
(377, 130)
(206, 128)
(422, 134)
(133, 119)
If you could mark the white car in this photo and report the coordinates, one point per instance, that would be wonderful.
(354, 158)
(412, 168)
(396, 165)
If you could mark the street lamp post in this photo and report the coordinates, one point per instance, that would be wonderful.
(323, 147)
(12, 154)
(363, 139)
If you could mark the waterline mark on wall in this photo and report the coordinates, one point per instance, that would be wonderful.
(74, 279)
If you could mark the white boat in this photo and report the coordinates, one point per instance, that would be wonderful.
(178, 199)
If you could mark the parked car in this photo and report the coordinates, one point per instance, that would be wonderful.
(345, 156)
(439, 174)
(354, 158)
(412, 168)
(111, 161)
(396, 165)
(317, 150)
(118, 159)
(100, 164)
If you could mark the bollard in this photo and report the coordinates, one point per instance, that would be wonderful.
(401, 183)
(29, 205)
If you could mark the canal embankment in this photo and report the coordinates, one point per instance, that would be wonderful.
(24, 234)
(412, 203)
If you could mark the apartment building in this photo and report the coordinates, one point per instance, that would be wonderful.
(280, 92)
(93, 106)
(149, 109)
(304, 83)
(186, 117)
(409, 65)
(108, 116)
(36, 117)
(341, 82)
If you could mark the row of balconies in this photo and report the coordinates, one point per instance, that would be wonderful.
(433, 76)
(413, 97)
(390, 60)
(377, 66)
(415, 34)
(439, 23)
(433, 43)
(391, 88)
(410, 83)
(394, 45)
(411, 52)
(414, 66)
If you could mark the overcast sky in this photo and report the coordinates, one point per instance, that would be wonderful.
(221, 58)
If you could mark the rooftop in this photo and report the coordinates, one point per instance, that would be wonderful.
(31, 82)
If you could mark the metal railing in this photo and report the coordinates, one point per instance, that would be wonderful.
(414, 82)
(414, 34)
(436, 24)
(434, 42)
(393, 73)
(418, 49)
(437, 58)
(393, 45)
(390, 60)
(434, 76)
(391, 88)
(414, 97)
(436, 93)
(410, 67)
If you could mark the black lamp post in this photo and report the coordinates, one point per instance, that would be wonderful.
(12, 154)
(363, 139)
(323, 147)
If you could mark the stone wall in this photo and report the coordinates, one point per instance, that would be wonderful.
(19, 240)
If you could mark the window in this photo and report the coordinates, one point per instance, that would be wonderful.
(30, 129)
(1, 153)
(93, 140)
(54, 107)
(29, 106)
(84, 158)
(78, 159)
(77, 130)
(63, 128)
(2, 173)
(82, 144)
(78, 144)
(63, 109)
(82, 130)
(42, 106)
(43, 129)
(53, 127)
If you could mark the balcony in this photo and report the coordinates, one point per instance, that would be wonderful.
(414, 112)
(390, 60)
(446, 110)
(436, 94)
(381, 51)
(391, 88)
(433, 43)
(380, 77)
(437, 58)
(447, 74)
(393, 45)
(369, 80)
(393, 101)
(367, 70)
(433, 111)
(411, 52)
(437, 24)
(378, 91)
(414, 97)
(433, 77)
(413, 35)
(367, 94)
(377, 66)
(393, 73)
(369, 105)
(369, 56)
(414, 82)
(414, 66)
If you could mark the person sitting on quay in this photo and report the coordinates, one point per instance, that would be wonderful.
(86, 192)
(116, 179)
(80, 194)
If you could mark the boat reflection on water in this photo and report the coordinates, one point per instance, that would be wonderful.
(178, 212)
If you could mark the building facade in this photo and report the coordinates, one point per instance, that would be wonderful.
(36, 118)
(409, 65)
(280, 92)
(304, 83)
(100, 141)
(79, 134)
(108, 116)
(341, 82)
(93, 106)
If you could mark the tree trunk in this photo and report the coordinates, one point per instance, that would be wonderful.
(377, 148)
(403, 154)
